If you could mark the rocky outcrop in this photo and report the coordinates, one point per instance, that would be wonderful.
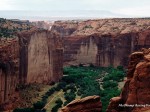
(101, 26)
(35, 57)
(40, 57)
(87, 104)
(135, 96)
(9, 70)
(65, 28)
(43, 24)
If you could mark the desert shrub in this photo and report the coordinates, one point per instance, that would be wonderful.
(39, 105)
(120, 68)
(110, 84)
(68, 79)
(80, 65)
(24, 110)
(69, 96)
(57, 106)
(91, 65)
(61, 85)
(106, 95)
(87, 26)
(59, 101)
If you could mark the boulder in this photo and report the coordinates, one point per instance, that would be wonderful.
(87, 104)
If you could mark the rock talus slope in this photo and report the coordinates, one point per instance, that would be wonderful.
(136, 91)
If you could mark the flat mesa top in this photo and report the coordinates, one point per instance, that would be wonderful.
(105, 26)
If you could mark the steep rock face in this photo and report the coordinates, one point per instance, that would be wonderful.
(9, 69)
(88, 104)
(102, 42)
(35, 57)
(136, 91)
(41, 57)
(104, 50)
(80, 50)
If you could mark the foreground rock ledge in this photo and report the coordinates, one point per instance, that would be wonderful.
(136, 90)
(87, 104)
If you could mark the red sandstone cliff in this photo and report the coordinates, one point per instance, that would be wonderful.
(136, 90)
(101, 26)
(43, 24)
(35, 57)
(104, 50)
(87, 104)
(102, 42)
(9, 72)
(41, 56)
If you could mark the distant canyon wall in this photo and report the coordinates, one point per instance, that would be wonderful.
(102, 42)
(104, 50)
(34, 57)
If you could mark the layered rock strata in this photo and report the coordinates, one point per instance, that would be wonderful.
(41, 57)
(135, 96)
(102, 42)
(35, 57)
(104, 50)
(9, 64)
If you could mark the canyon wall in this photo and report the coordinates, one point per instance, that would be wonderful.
(80, 49)
(104, 50)
(135, 96)
(102, 42)
(41, 52)
(32, 57)
(9, 72)
(64, 28)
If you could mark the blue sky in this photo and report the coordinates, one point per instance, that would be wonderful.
(133, 8)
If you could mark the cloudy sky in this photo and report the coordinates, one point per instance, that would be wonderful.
(124, 8)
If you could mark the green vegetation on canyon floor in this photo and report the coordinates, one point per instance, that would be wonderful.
(77, 82)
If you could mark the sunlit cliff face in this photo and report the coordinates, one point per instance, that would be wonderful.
(43, 55)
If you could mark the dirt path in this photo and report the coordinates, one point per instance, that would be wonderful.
(46, 106)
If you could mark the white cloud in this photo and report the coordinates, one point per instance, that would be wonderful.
(5, 5)
(128, 7)
(135, 11)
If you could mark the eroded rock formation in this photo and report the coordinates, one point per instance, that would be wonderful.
(135, 96)
(35, 57)
(87, 104)
(102, 42)
(9, 72)
(40, 57)
(104, 50)
(101, 26)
